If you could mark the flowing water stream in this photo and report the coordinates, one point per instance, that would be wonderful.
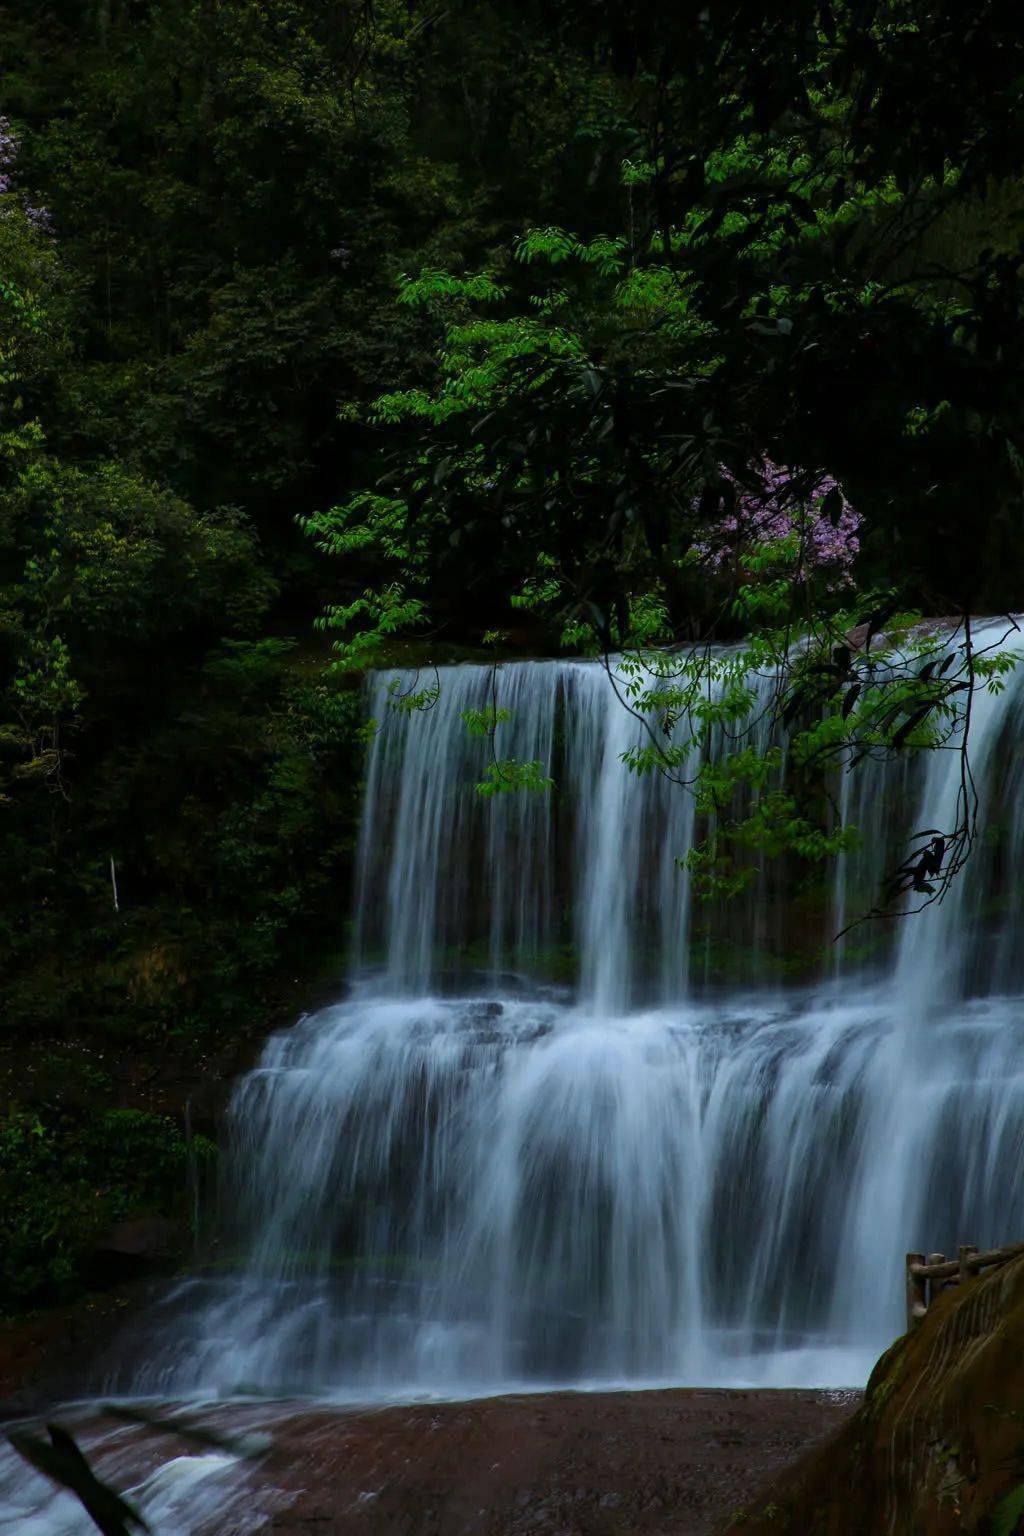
(567, 1129)
(469, 1176)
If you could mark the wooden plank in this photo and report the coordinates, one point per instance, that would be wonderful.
(944, 1271)
(976, 1261)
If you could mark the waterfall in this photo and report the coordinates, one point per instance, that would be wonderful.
(448, 878)
(569, 1128)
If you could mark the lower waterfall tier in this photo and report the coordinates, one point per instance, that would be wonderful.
(473, 1194)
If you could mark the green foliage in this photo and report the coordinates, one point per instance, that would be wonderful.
(484, 722)
(903, 691)
(190, 339)
(508, 776)
(188, 346)
(600, 404)
(64, 1178)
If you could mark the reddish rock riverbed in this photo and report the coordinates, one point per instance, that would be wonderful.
(681, 1463)
(560, 1464)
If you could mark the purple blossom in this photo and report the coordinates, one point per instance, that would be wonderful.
(8, 154)
(778, 508)
(10, 145)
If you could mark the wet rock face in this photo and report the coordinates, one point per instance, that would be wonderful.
(937, 1449)
(148, 1239)
(66, 1352)
(676, 1463)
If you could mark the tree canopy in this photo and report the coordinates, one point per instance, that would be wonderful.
(512, 326)
(757, 399)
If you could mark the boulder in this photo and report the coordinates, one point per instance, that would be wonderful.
(937, 1448)
(137, 1246)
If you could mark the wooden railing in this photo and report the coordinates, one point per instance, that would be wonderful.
(927, 1277)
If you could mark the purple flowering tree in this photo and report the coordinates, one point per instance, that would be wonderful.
(8, 156)
(780, 506)
(10, 145)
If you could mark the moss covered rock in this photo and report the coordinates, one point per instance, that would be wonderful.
(937, 1449)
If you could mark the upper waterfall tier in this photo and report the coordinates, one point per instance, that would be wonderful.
(584, 882)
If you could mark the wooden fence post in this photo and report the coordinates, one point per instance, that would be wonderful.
(926, 1280)
(916, 1295)
(964, 1253)
(935, 1286)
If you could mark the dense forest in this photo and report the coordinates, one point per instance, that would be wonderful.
(332, 331)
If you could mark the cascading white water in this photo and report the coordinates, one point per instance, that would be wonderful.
(542, 1141)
